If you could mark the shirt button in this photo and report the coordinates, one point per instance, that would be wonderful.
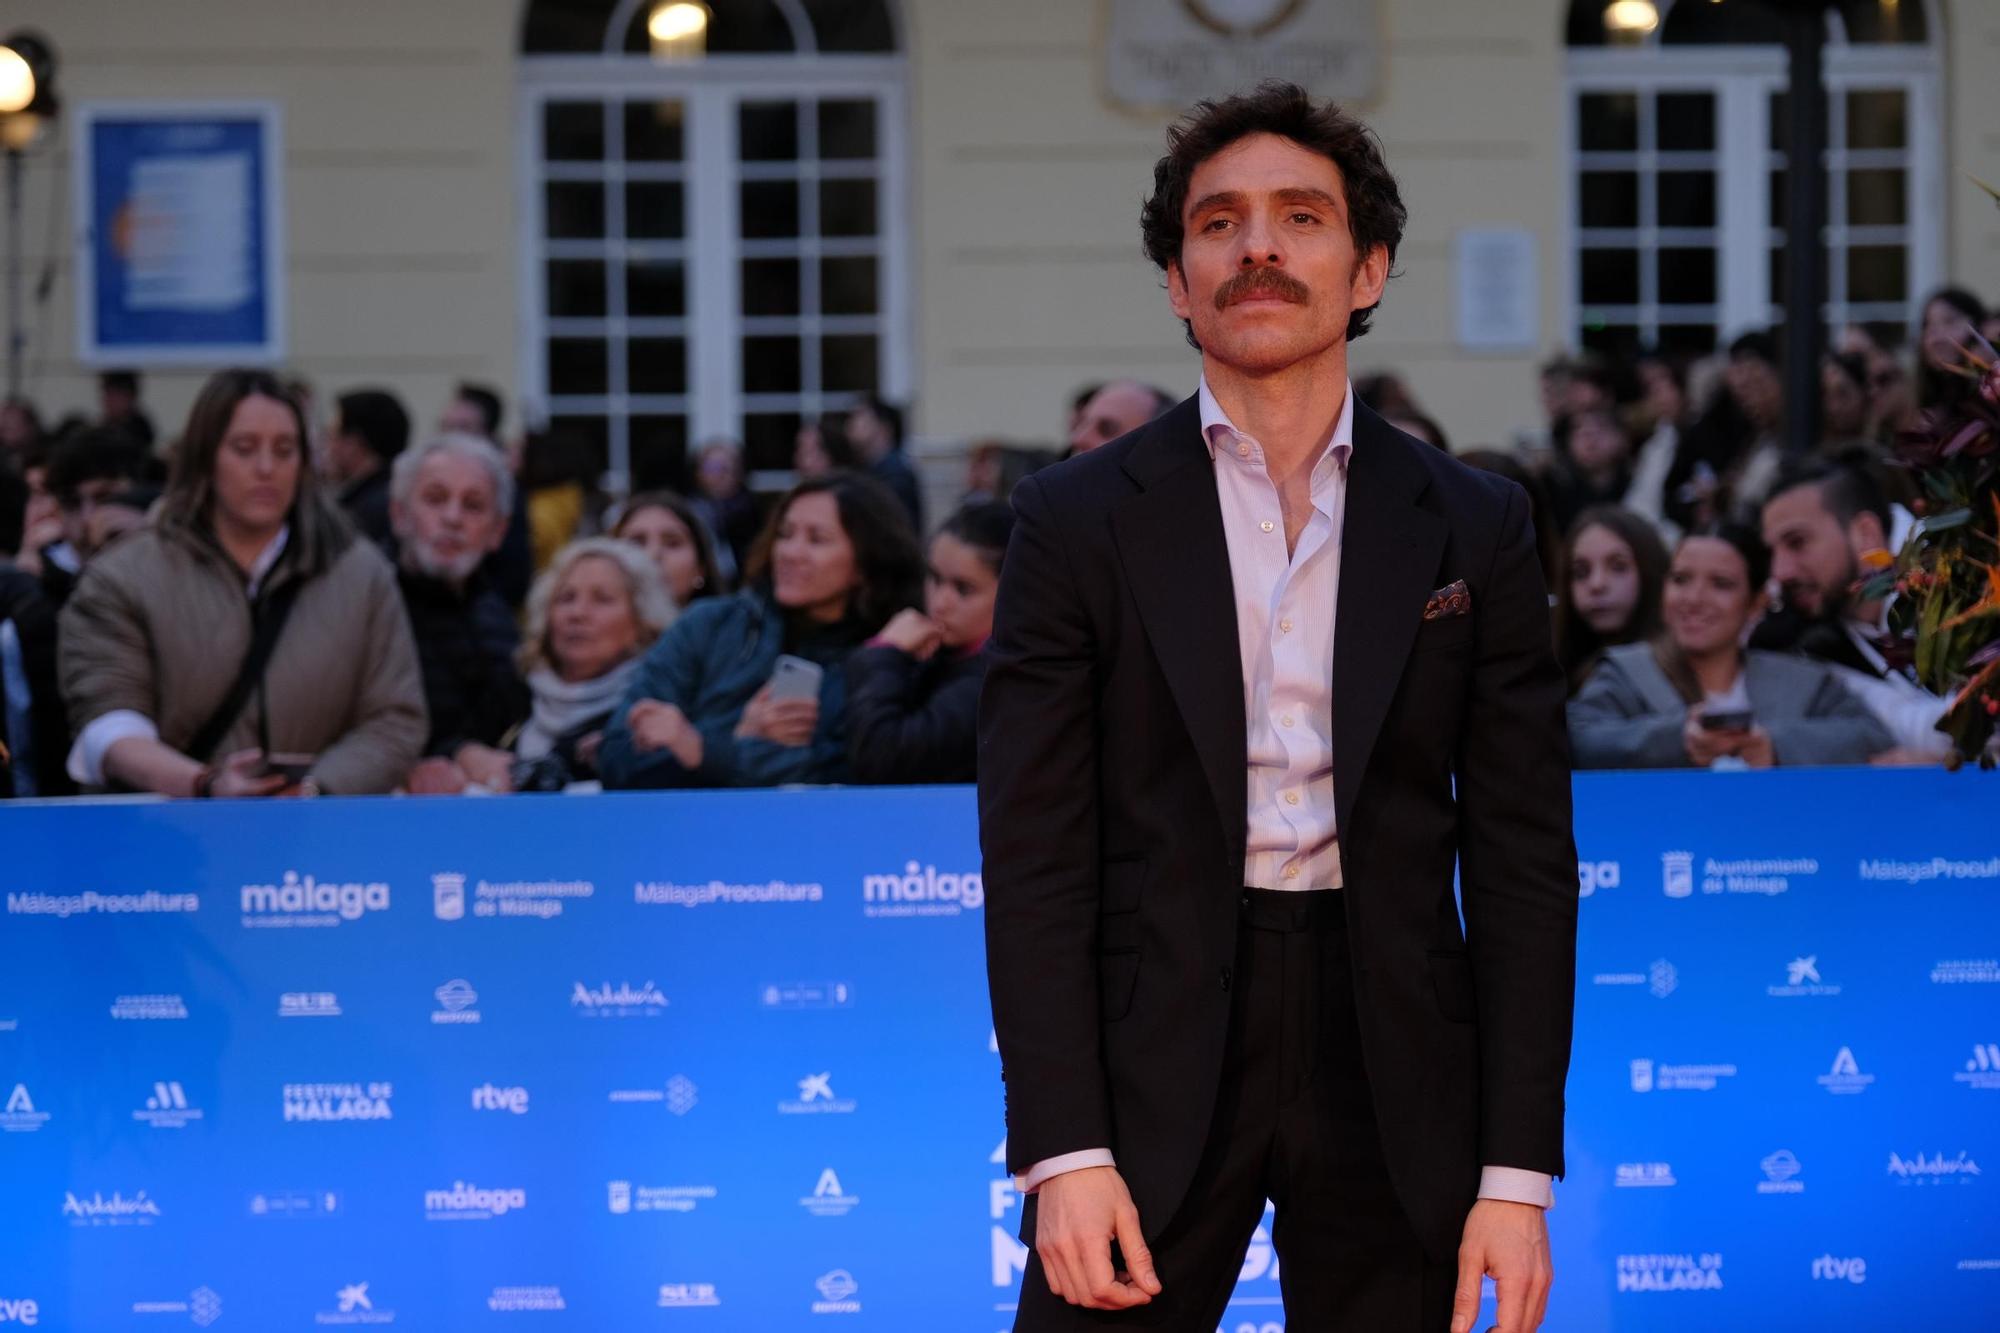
(1225, 978)
(1291, 872)
(1242, 451)
(1291, 798)
(1286, 720)
(1285, 626)
(1267, 525)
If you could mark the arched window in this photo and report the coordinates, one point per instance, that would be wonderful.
(714, 241)
(1677, 116)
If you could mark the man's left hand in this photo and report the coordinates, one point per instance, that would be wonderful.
(1510, 1242)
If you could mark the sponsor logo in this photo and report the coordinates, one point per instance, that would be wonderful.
(309, 1004)
(1827, 1268)
(9, 1024)
(1594, 875)
(456, 999)
(541, 899)
(1915, 872)
(1643, 1175)
(623, 1197)
(353, 1305)
(470, 1203)
(23, 1310)
(1979, 1265)
(828, 1199)
(338, 1101)
(1677, 874)
(806, 995)
(1802, 979)
(1966, 972)
(1767, 875)
(139, 1008)
(295, 1203)
(302, 901)
(487, 1097)
(100, 904)
(1647, 1076)
(1661, 978)
(1845, 1077)
(687, 1295)
(664, 893)
(1982, 1071)
(817, 1097)
(526, 1298)
(921, 891)
(167, 1108)
(621, 1001)
(836, 1293)
(18, 1115)
(1781, 1174)
(116, 1211)
(680, 1094)
(1260, 1261)
(1669, 1272)
(202, 1307)
(1936, 1169)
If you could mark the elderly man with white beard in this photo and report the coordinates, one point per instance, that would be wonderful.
(449, 502)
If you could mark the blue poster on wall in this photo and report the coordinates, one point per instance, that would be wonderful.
(179, 234)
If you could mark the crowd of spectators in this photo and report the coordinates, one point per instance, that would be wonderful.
(287, 599)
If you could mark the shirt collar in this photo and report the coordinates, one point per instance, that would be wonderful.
(1217, 429)
(267, 559)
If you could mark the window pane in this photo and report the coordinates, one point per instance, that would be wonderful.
(848, 286)
(1687, 276)
(655, 288)
(1685, 123)
(659, 452)
(592, 433)
(575, 210)
(1608, 198)
(767, 132)
(771, 365)
(1617, 342)
(656, 365)
(770, 286)
(847, 208)
(578, 365)
(654, 131)
(1688, 340)
(573, 131)
(852, 25)
(1607, 122)
(769, 209)
(1687, 198)
(1882, 21)
(1875, 119)
(655, 211)
(846, 129)
(1877, 198)
(1610, 277)
(1781, 121)
(576, 288)
(1877, 273)
(848, 363)
(768, 439)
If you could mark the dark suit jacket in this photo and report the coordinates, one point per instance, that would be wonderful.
(1113, 816)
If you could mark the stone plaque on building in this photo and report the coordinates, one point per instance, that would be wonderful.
(1167, 53)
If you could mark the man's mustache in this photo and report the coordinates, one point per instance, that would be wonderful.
(1262, 282)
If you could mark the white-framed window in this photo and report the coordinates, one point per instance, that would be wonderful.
(714, 242)
(1677, 181)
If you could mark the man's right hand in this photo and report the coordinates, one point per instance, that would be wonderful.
(1080, 1214)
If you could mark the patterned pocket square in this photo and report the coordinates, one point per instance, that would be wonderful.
(1450, 600)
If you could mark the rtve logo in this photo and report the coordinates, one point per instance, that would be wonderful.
(1826, 1268)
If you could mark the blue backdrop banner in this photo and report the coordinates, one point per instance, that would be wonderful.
(724, 1061)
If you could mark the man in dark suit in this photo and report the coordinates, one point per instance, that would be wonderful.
(1263, 671)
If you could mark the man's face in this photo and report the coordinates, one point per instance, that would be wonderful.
(1112, 411)
(1268, 273)
(78, 506)
(1812, 555)
(462, 417)
(451, 520)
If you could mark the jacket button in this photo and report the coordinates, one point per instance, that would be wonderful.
(1225, 978)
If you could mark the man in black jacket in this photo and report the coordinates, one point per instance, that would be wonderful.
(1263, 673)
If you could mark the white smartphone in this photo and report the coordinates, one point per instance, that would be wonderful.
(796, 678)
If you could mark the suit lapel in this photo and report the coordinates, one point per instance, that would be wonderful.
(1176, 559)
(1389, 554)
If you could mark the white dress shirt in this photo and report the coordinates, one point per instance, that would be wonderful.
(1285, 603)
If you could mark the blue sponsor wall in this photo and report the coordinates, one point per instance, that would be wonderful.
(723, 1061)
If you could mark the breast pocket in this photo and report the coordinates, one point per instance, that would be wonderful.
(1445, 634)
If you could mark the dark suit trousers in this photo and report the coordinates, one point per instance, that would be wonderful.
(1292, 1124)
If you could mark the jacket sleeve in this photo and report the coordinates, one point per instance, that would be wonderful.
(895, 733)
(1610, 726)
(1837, 728)
(668, 673)
(104, 653)
(388, 720)
(1517, 860)
(1038, 782)
(756, 762)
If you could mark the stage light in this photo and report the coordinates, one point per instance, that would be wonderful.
(1631, 18)
(677, 22)
(17, 81)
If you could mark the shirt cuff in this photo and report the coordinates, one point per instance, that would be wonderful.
(86, 757)
(1050, 1167)
(1512, 1184)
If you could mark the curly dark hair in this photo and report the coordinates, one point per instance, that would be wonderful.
(1375, 212)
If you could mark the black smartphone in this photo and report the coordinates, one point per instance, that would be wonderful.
(1736, 719)
(292, 767)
